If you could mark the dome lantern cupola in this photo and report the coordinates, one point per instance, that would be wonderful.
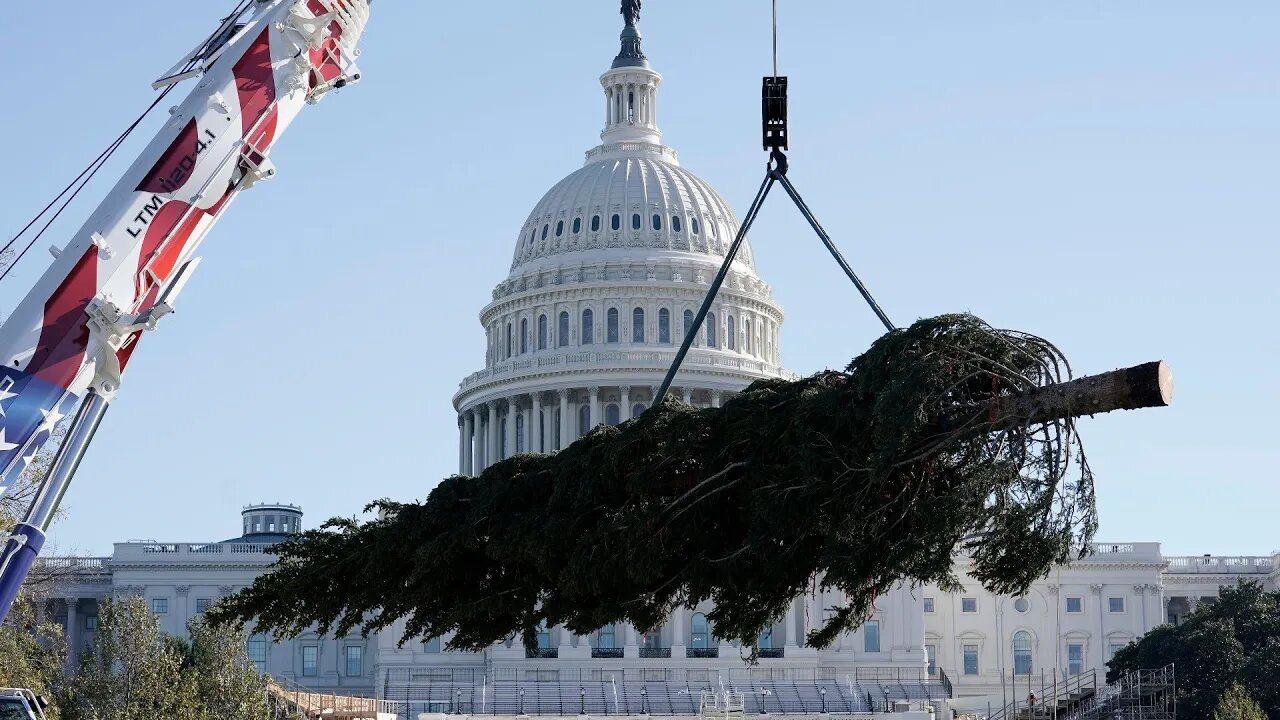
(631, 90)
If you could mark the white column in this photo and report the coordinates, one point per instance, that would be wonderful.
(462, 444)
(491, 444)
(793, 627)
(511, 429)
(595, 407)
(624, 413)
(73, 633)
(534, 424)
(677, 633)
(564, 419)
(715, 398)
(688, 396)
(468, 458)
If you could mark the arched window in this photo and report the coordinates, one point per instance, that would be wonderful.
(542, 332)
(675, 223)
(584, 419)
(688, 322)
(595, 223)
(611, 325)
(711, 330)
(577, 225)
(1022, 653)
(611, 414)
(637, 410)
(730, 333)
(746, 330)
(657, 221)
(637, 325)
(693, 225)
(545, 228)
(664, 326)
(559, 228)
(616, 222)
(509, 345)
(520, 432)
(588, 335)
(765, 641)
(562, 330)
(605, 637)
(699, 632)
(524, 335)
(635, 221)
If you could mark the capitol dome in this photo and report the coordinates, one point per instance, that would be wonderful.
(606, 278)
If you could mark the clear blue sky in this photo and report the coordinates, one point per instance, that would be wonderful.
(1103, 174)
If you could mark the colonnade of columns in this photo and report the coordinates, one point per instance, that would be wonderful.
(546, 421)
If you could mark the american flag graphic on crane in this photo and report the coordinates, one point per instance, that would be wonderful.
(30, 410)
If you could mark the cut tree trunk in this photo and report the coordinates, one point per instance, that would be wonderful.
(1141, 386)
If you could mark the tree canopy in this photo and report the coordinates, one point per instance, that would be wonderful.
(862, 479)
(1233, 640)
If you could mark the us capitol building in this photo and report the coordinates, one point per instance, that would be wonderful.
(606, 275)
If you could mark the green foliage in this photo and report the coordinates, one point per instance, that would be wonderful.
(863, 479)
(31, 653)
(1236, 704)
(133, 670)
(1234, 640)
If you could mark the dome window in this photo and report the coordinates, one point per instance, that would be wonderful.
(657, 221)
(688, 321)
(637, 410)
(616, 222)
(562, 329)
(612, 415)
(664, 326)
(545, 228)
(730, 333)
(542, 332)
(635, 221)
(559, 228)
(584, 420)
(611, 324)
(693, 225)
(588, 327)
(577, 225)
(524, 335)
(711, 330)
(595, 223)
(675, 223)
(637, 325)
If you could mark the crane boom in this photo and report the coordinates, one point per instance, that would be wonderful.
(71, 337)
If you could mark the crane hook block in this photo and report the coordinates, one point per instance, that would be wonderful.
(773, 102)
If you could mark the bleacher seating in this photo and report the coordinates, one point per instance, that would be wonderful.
(635, 697)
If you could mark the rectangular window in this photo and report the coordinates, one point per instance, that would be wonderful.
(970, 659)
(256, 648)
(355, 661)
(159, 606)
(90, 622)
(1075, 659)
(928, 604)
(1115, 648)
(1115, 604)
(1075, 605)
(431, 646)
(931, 655)
(202, 604)
(968, 605)
(310, 660)
(871, 636)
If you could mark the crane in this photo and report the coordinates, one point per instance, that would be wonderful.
(66, 345)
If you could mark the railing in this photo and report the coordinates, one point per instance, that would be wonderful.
(1257, 564)
(611, 653)
(209, 552)
(708, 652)
(284, 696)
(894, 674)
(542, 653)
(771, 652)
(1056, 696)
(72, 563)
(655, 652)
